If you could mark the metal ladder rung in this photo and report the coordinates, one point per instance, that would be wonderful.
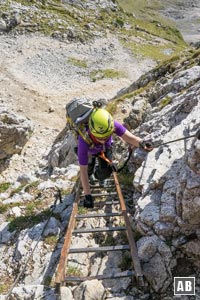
(100, 229)
(107, 202)
(101, 277)
(94, 187)
(102, 194)
(103, 215)
(107, 180)
(99, 249)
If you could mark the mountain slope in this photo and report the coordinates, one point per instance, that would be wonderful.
(182, 14)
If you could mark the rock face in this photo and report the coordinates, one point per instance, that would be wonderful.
(62, 152)
(14, 133)
(156, 257)
(168, 182)
(90, 290)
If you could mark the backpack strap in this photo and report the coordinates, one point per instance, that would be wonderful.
(85, 136)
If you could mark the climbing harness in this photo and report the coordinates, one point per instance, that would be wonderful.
(113, 166)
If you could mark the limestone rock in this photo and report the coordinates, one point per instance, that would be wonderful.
(14, 133)
(92, 290)
(156, 256)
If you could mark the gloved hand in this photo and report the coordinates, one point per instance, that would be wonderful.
(88, 201)
(146, 145)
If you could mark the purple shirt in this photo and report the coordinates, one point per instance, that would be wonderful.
(84, 148)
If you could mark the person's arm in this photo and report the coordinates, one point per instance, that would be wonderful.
(131, 138)
(137, 141)
(85, 179)
(83, 163)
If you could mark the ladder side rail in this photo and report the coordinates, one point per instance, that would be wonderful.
(60, 276)
(133, 248)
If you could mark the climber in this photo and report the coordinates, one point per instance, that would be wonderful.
(101, 127)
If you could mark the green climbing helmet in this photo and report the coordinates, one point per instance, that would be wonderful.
(101, 123)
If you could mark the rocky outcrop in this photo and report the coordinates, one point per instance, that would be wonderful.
(63, 150)
(14, 133)
(9, 21)
(156, 258)
(33, 228)
(168, 182)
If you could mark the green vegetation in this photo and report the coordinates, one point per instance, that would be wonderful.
(106, 73)
(122, 237)
(30, 217)
(150, 35)
(139, 7)
(157, 52)
(17, 190)
(126, 262)
(5, 207)
(187, 58)
(4, 287)
(32, 185)
(137, 235)
(112, 106)
(150, 51)
(74, 179)
(122, 223)
(168, 61)
(126, 178)
(82, 210)
(47, 281)
(30, 207)
(4, 187)
(119, 22)
(109, 240)
(51, 240)
(77, 62)
(148, 11)
(67, 191)
(73, 271)
(27, 221)
(196, 53)
(165, 101)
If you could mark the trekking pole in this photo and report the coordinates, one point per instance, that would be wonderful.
(197, 135)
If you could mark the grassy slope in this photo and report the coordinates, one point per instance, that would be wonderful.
(139, 32)
(147, 17)
(148, 9)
